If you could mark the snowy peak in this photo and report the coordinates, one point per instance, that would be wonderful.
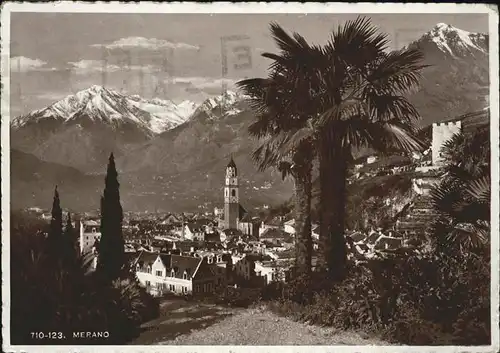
(456, 42)
(100, 104)
(96, 104)
(165, 114)
(226, 104)
(226, 99)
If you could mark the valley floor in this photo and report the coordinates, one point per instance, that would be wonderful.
(183, 323)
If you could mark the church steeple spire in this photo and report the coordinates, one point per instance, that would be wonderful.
(231, 196)
(231, 164)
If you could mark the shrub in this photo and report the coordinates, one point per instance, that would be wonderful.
(239, 297)
(63, 297)
(422, 299)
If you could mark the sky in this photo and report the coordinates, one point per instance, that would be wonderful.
(170, 56)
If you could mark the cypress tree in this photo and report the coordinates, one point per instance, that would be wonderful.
(56, 226)
(70, 239)
(111, 250)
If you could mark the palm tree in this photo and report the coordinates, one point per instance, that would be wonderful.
(351, 93)
(358, 99)
(279, 102)
(462, 198)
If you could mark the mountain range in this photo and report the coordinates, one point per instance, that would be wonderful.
(172, 156)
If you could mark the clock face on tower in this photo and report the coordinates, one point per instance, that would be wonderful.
(233, 181)
(233, 199)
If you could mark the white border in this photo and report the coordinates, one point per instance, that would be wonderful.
(145, 7)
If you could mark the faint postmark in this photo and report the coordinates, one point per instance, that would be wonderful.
(236, 57)
(138, 72)
(162, 71)
(15, 67)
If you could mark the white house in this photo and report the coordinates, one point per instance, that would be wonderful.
(315, 231)
(196, 230)
(289, 226)
(371, 159)
(274, 224)
(267, 270)
(388, 242)
(253, 265)
(218, 212)
(165, 273)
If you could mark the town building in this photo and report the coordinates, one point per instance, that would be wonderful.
(90, 232)
(230, 235)
(171, 219)
(315, 231)
(275, 223)
(257, 270)
(289, 226)
(267, 272)
(371, 159)
(276, 237)
(178, 274)
(198, 229)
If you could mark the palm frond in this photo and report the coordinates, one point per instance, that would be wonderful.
(343, 111)
(480, 189)
(384, 107)
(356, 42)
(468, 236)
(269, 154)
(397, 72)
(393, 135)
(292, 46)
(447, 199)
(261, 126)
(295, 139)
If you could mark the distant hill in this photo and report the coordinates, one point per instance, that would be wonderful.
(32, 184)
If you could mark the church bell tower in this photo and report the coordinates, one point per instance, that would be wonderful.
(231, 196)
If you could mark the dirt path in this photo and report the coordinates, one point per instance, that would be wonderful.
(261, 327)
(178, 317)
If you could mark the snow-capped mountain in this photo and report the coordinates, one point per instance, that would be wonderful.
(82, 129)
(228, 103)
(456, 42)
(165, 114)
(457, 79)
(99, 104)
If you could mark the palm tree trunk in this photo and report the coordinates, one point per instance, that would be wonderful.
(332, 257)
(303, 189)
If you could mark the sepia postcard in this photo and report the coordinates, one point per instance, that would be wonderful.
(223, 177)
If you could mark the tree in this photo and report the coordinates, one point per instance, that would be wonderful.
(64, 298)
(462, 198)
(348, 94)
(55, 235)
(299, 167)
(274, 100)
(70, 240)
(358, 99)
(111, 250)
